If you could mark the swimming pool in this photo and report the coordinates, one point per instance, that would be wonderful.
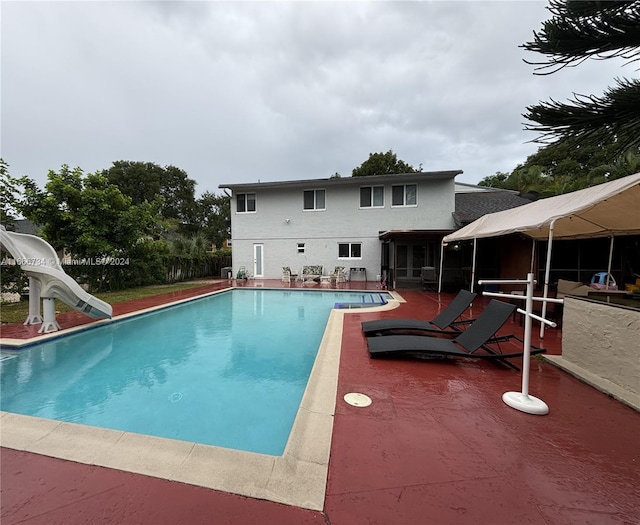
(227, 370)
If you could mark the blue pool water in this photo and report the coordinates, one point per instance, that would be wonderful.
(226, 370)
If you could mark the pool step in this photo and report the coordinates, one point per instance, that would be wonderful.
(374, 298)
(367, 300)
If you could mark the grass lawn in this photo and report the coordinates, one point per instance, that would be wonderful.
(17, 312)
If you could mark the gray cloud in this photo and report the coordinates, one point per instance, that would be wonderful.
(233, 92)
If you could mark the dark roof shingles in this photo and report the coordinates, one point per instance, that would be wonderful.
(472, 206)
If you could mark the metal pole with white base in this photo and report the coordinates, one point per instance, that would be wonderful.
(522, 400)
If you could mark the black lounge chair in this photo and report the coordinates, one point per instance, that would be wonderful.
(479, 335)
(444, 323)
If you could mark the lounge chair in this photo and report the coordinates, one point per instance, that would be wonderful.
(444, 323)
(479, 335)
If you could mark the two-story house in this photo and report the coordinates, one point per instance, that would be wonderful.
(378, 225)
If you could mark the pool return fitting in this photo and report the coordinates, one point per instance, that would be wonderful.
(522, 400)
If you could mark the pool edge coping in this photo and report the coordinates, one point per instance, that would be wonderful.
(298, 477)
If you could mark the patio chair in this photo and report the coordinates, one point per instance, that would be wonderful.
(479, 335)
(286, 274)
(242, 274)
(311, 274)
(444, 323)
(338, 276)
(429, 278)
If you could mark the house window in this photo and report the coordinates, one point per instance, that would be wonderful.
(300, 247)
(405, 195)
(314, 200)
(246, 202)
(349, 250)
(372, 197)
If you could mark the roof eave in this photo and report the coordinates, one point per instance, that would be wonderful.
(345, 181)
(389, 234)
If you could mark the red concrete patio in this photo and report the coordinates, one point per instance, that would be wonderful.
(437, 446)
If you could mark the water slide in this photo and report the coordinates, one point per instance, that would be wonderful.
(39, 261)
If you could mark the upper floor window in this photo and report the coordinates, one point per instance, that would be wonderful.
(314, 200)
(349, 250)
(246, 202)
(372, 197)
(404, 195)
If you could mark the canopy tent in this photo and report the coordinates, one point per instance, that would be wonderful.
(606, 210)
(612, 208)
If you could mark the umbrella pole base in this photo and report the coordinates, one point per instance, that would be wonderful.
(525, 403)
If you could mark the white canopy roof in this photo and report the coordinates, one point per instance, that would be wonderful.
(612, 208)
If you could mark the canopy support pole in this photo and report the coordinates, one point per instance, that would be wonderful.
(533, 257)
(441, 266)
(547, 271)
(473, 263)
(609, 266)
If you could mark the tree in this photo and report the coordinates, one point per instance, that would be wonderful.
(147, 182)
(214, 217)
(12, 279)
(498, 180)
(565, 166)
(178, 192)
(189, 248)
(579, 30)
(382, 164)
(90, 219)
(9, 187)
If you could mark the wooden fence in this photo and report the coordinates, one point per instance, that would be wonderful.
(178, 269)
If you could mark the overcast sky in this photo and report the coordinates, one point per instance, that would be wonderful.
(233, 92)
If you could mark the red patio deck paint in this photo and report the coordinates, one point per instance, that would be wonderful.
(437, 445)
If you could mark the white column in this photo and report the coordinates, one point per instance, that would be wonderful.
(606, 282)
(34, 316)
(49, 324)
(473, 263)
(441, 266)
